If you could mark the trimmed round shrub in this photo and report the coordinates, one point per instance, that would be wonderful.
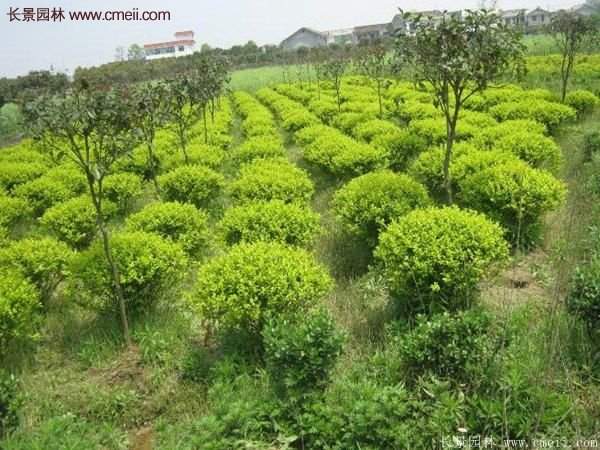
(19, 307)
(307, 135)
(298, 119)
(487, 137)
(347, 121)
(370, 129)
(369, 203)
(591, 144)
(325, 109)
(582, 101)
(259, 147)
(516, 196)
(433, 259)
(199, 154)
(549, 113)
(473, 161)
(537, 150)
(401, 146)
(150, 269)
(343, 156)
(428, 168)
(42, 193)
(456, 347)
(193, 184)
(583, 299)
(13, 174)
(122, 189)
(241, 289)
(179, 222)
(433, 130)
(44, 261)
(300, 352)
(70, 176)
(288, 223)
(271, 179)
(12, 210)
(74, 221)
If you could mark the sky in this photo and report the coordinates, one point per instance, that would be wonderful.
(220, 23)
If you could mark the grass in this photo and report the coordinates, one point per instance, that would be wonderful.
(252, 80)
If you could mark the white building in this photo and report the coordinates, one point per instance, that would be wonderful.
(183, 44)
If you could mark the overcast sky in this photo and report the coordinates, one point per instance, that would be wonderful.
(220, 23)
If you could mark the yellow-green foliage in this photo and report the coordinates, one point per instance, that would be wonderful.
(515, 195)
(307, 135)
(193, 184)
(549, 113)
(535, 149)
(13, 174)
(343, 156)
(367, 131)
(287, 223)
(582, 101)
(487, 137)
(434, 258)
(241, 289)
(268, 146)
(401, 146)
(150, 268)
(198, 154)
(369, 203)
(19, 307)
(179, 222)
(271, 179)
(434, 130)
(74, 221)
(44, 261)
(122, 189)
(12, 210)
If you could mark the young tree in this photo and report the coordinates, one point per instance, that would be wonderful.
(93, 129)
(150, 113)
(459, 57)
(334, 70)
(570, 31)
(374, 63)
(135, 52)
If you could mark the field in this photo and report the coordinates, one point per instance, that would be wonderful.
(296, 278)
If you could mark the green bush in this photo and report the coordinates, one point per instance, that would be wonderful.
(9, 402)
(197, 185)
(150, 268)
(343, 156)
(582, 101)
(43, 261)
(516, 196)
(298, 119)
(122, 189)
(549, 113)
(402, 146)
(13, 174)
(434, 258)
(428, 167)
(583, 299)
(288, 223)
(12, 210)
(537, 150)
(199, 154)
(70, 176)
(474, 161)
(300, 352)
(19, 308)
(591, 144)
(307, 135)
(259, 147)
(455, 347)
(241, 289)
(74, 221)
(433, 130)
(369, 203)
(42, 193)
(271, 179)
(369, 130)
(179, 222)
(487, 137)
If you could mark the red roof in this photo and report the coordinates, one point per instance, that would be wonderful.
(184, 33)
(170, 43)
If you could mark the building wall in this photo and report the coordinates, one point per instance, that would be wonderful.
(303, 38)
(170, 52)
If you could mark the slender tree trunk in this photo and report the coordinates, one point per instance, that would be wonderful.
(379, 98)
(205, 125)
(450, 136)
(183, 144)
(152, 167)
(114, 270)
